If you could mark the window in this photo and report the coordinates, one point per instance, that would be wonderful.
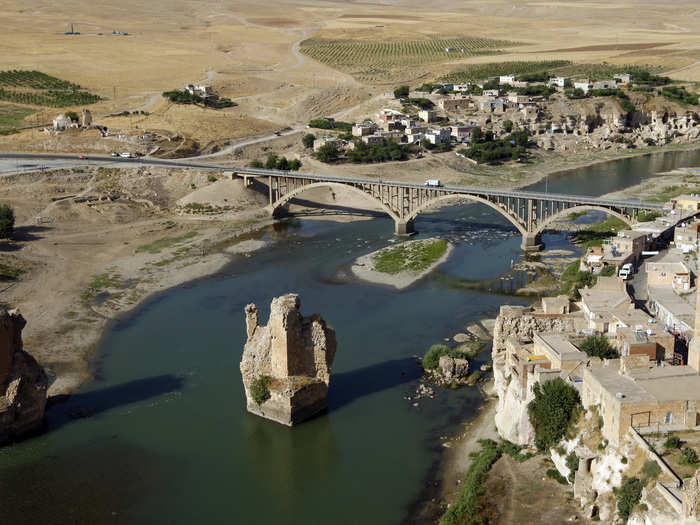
(669, 418)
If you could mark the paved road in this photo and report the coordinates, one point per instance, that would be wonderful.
(65, 160)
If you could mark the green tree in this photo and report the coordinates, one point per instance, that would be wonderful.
(282, 164)
(271, 162)
(257, 163)
(7, 221)
(508, 126)
(294, 165)
(551, 411)
(401, 92)
(477, 135)
(72, 115)
(690, 457)
(598, 346)
(308, 140)
(327, 153)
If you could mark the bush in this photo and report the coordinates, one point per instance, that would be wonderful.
(628, 495)
(551, 411)
(572, 465)
(431, 360)
(554, 474)
(401, 92)
(689, 456)
(598, 346)
(647, 215)
(323, 123)
(364, 153)
(673, 442)
(260, 389)
(7, 221)
(515, 451)
(608, 271)
(651, 469)
(308, 140)
(327, 153)
(212, 178)
(422, 103)
(507, 126)
(680, 95)
(470, 507)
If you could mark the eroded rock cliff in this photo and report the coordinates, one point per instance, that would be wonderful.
(286, 364)
(23, 383)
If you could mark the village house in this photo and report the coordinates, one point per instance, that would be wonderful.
(364, 128)
(686, 203)
(626, 247)
(599, 301)
(491, 93)
(427, 115)
(462, 88)
(584, 85)
(461, 132)
(373, 139)
(559, 82)
(623, 78)
(632, 392)
(438, 136)
(455, 104)
(604, 84)
(507, 79)
(647, 339)
(685, 237)
(328, 139)
(390, 114)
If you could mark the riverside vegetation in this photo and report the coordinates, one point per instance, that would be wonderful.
(413, 256)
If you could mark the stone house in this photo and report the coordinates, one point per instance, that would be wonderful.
(685, 237)
(559, 305)
(364, 128)
(427, 115)
(328, 139)
(373, 139)
(675, 275)
(686, 202)
(455, 104)
(599, 301)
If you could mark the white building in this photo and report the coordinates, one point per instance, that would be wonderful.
(558, 81)
(584, 85)
(427, 115)
(506, 79)
(61, 122)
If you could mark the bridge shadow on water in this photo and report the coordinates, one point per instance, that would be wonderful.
(346, 387)
(63, 409)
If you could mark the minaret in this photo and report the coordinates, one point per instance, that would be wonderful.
(694, 347)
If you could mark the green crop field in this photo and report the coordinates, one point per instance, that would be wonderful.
(39, 89)
(373, 59)
(474, 72)
(12, 117)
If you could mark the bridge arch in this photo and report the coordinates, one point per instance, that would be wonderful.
(337, 185)
(584, 207)
(473, 198)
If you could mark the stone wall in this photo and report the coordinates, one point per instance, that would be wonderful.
(296, 353)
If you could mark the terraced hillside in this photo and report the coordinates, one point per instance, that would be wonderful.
(39, 89)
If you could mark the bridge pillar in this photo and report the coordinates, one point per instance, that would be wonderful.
(404, 227)
(531, 242)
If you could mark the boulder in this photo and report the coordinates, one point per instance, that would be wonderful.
(453, 368)
(23, 383)
(286, 364)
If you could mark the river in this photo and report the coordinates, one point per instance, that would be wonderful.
(161, 435)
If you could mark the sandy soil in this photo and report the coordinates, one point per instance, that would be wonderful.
(364, 269)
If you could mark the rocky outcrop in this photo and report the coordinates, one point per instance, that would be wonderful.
(453, 368)
(23, 383)
(512, 419)
(286, 364)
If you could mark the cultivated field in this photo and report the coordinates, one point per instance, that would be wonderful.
(372, 60)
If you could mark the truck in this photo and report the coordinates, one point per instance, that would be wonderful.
(126, 155)
(432, 182)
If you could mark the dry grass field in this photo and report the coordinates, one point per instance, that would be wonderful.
(259, 54)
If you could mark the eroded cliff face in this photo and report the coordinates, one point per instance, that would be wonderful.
(511, 418)
(23, 383)
(293, 355)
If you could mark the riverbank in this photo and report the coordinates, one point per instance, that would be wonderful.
(80, 263)
(367, 267)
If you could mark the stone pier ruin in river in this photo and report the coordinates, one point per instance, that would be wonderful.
(286, 364)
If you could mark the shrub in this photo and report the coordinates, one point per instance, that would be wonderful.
(308, 140)
(431, 360)
(608, 271)
(507, 126)
(260, 389)
(514, 451)
(651, 469)
(327, 153)
(551, 411)
(554, 474)
(598, 346)
(364, 153)
(628, 495)
(572, 465)
(212, 178)
(673, 442)
(469, 508)
(690, 457)
(7, 221)
(401, 92)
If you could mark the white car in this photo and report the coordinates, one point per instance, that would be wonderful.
(126, 155)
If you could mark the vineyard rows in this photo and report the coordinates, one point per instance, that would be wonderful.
(40, 89)
(347, 54)
(483, 71)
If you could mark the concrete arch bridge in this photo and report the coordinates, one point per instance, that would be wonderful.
(529, 211)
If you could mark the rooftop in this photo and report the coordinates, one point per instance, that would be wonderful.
(687, 197)
(560, 346)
